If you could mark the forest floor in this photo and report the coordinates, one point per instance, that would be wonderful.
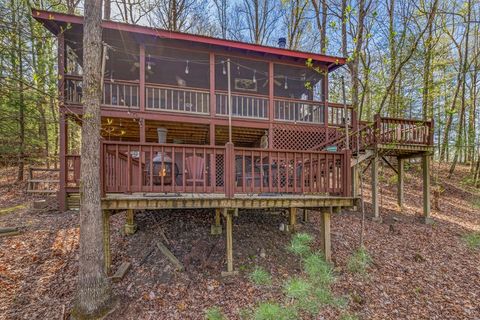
(418, 272)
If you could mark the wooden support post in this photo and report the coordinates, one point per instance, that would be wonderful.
(355, 184)
(325, 233)
(292, 219)
(375, 199)
(228, 213)
(216, 228)
(130, 226)
(400, 185)
(426, 188)
(305, 215)
(106, 241)
(62, 193)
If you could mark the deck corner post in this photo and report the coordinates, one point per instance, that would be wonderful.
(400, 184)
(130, 226)
(229, 213)
(375, 199)
(292, 219)
(326, 244)
(106, 240)
(426, 188)
(216, 229)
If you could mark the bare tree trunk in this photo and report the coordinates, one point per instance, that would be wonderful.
(93, 296)
(461, 127)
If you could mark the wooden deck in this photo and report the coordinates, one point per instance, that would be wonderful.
(134, 201)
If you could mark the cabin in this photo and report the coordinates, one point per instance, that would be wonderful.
(191, 121)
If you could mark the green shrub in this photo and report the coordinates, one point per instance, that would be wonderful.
(297, 288)
(472, 240)
(214, 313)
(274, 311)
(318, 270)
(260, 276)
(359, 261)
(300, 243)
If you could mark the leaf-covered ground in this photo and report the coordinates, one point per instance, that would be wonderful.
(418, 272)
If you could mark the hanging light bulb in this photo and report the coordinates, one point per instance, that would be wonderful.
(111, 77)
(149, 66)
(187, 69)
(286, 83)
(223, 68)
(254, 80)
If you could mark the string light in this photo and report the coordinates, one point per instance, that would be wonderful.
(286, 83)
(149, 66)
(223, 68)
(186, 69)
(254, 80)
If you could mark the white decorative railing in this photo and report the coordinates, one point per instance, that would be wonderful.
(243, 106)
(177, 99)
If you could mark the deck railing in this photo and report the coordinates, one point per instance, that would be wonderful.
(72, 176)
(169, 168)
(243, 105)
(299, 111)
(116, 93)
(176, 99)
(393, 131)
(299, 172)
(150, 167)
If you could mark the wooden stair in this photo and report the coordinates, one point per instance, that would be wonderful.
(73, 201)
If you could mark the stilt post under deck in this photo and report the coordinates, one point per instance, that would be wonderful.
(400, 186)
(355, 184)
(292, 219)
(229, 213)
(426, 188)
(130, 226)
(106, 240)
(216, 228)
(325, 233)
(63, 142)
(305, 215)
(375, 199)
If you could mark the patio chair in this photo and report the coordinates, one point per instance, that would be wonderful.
(195, 168)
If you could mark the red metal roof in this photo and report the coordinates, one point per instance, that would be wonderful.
(52, 20)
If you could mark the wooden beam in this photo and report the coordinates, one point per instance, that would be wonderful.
(106, 241)
(63, 130)
(169, 255)
(400, 185)
(390, 165)
(426, 187)
(121, 271)
(325, 233)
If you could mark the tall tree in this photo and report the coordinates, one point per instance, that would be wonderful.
(93, 296)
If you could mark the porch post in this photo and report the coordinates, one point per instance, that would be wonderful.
(212, 86)
(426, 188)
(142, 77)
(325, 101)
(375, 204)
(271, 103)
(325, 241)
(400, 169)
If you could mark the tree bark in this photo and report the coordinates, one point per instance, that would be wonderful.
(93, 296)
